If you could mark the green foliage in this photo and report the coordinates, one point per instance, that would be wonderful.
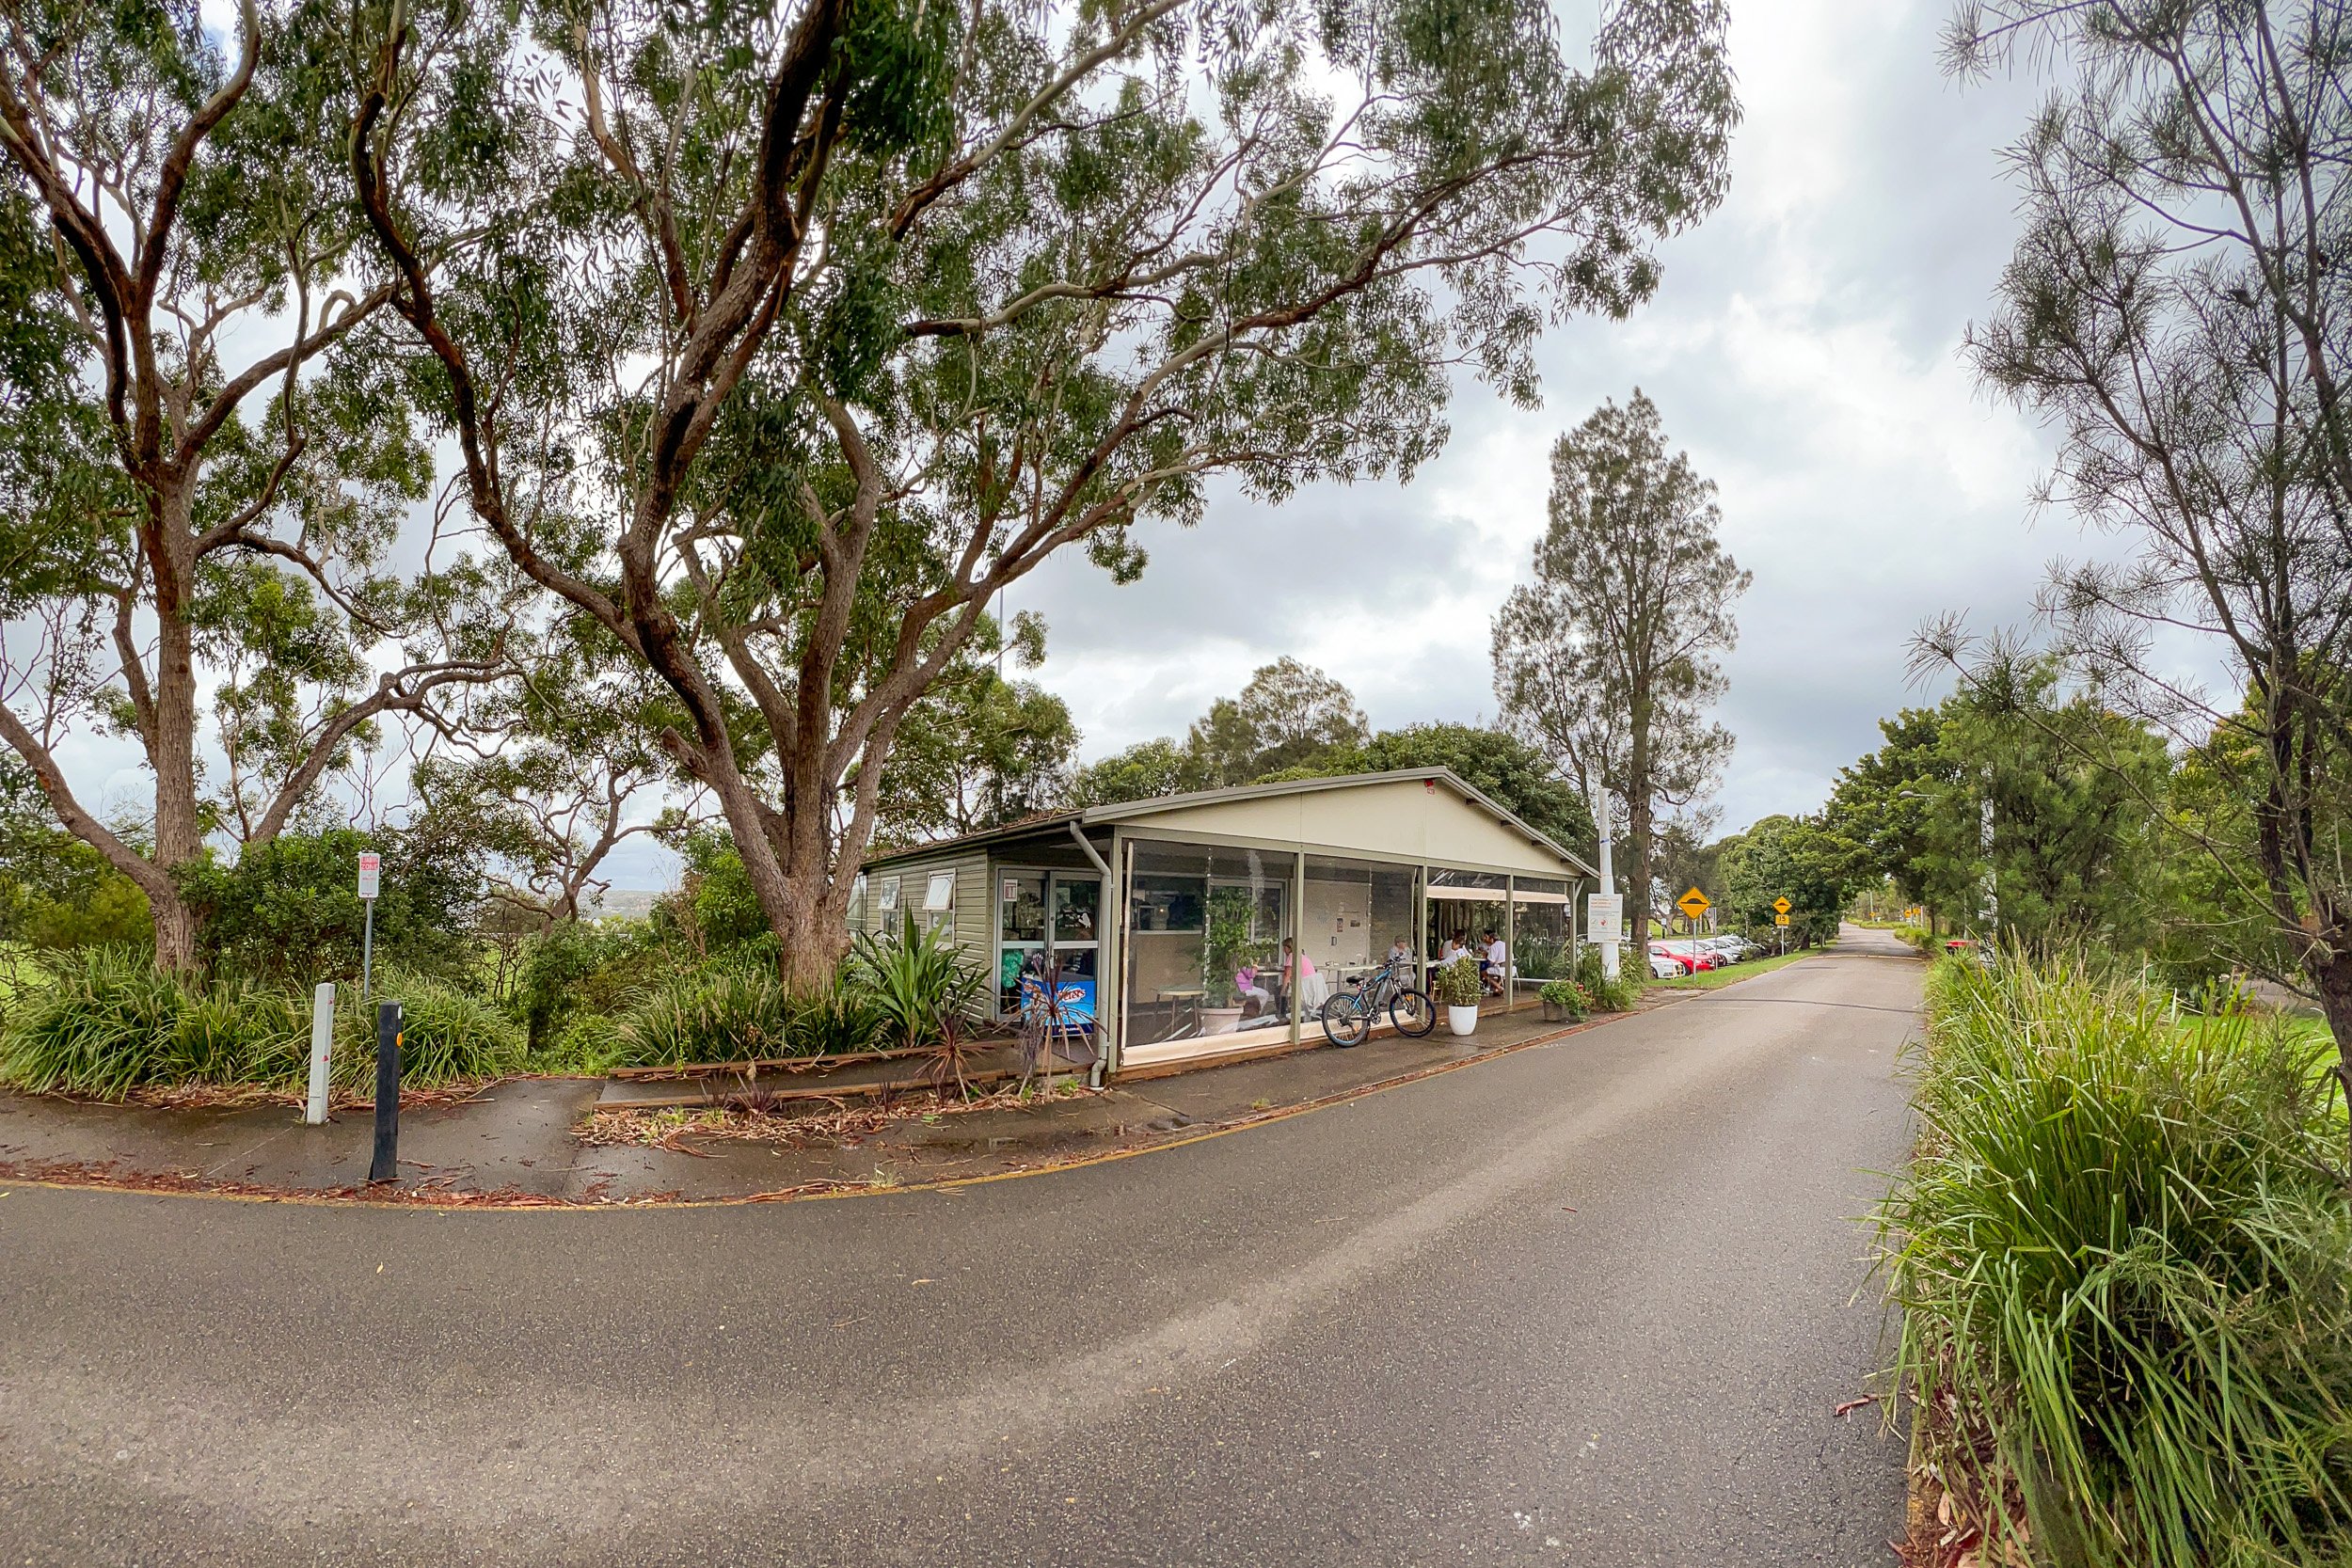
(841, 1022)
(2124, 1259)
(1785, 857)
(1568, 994)
(1231, 912)
(111, 1023)
(733, 1008)
(715, 906)
(56, 892)
(724, 1012)
(917, 981)
(977, 753)
(1455, 984)
(1610, 996)
(553, 979)
(448, 1034)
(289, 911)
(1145, 771)
(2055, 800)
(1608, 660)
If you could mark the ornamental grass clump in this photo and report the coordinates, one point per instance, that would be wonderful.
(111, 1023)
(2124, 1263)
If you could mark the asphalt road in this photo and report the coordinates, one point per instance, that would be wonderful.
(1592, 1302)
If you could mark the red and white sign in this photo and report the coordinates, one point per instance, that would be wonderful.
(371, 870)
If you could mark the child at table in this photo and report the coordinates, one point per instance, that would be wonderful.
(1255, 1002)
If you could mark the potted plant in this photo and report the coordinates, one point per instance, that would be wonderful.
(1227, 948)
(1563, 1000)
(1454, 987)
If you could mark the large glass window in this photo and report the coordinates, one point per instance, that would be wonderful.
(1355, 915)
(1539, 931)
(1206, 934)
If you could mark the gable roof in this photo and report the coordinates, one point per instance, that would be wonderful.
(1131, 811)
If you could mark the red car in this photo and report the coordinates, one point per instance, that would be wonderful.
(1688, 954)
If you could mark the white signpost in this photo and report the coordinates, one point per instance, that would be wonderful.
(1604, 917)
(371, 876)
(322, 1044)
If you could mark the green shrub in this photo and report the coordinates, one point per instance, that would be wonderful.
(2124, 1263)
(1455, 984)
(721, 1013)
(447, 1034)
(288, 913)
(111, 1023)
(1620, 995)
(569, 969)
(108, 1023)
(917, 980)
(839, 1024)
(1567, 994)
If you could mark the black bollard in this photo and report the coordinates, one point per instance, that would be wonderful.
(386, 1166)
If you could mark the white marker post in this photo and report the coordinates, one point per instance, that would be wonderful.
(322, 1045)
(370, 871)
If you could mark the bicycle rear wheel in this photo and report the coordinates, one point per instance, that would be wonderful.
(1345, 1022)
(1413, 1013)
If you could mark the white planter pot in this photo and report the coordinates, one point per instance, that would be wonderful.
(1461, 1019)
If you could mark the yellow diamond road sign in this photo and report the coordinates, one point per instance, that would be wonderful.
(1782, 906)
(1693, 903)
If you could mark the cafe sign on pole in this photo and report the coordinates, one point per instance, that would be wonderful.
(1604, 917)
(371, 880)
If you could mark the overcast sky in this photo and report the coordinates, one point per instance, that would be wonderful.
(1803, 348)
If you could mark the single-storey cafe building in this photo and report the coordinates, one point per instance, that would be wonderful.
(1197, 927)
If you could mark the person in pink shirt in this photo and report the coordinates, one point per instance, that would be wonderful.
(1299, 970)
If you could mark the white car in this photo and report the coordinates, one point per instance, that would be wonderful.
(1662, 967)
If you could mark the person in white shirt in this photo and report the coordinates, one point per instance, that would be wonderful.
(1497, 969)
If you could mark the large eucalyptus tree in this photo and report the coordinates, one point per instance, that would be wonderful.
(802, 328)
(205, 469)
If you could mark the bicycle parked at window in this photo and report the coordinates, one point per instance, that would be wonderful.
(1349, 1017)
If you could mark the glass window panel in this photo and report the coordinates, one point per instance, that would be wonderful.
(1205, 929)
(1539, 937)
(1021, 905)
(1355, 914)
(940, 894)
(1075, 901)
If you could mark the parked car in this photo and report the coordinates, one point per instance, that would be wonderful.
(1727, 949)
(1687, 952)
(1664, 968)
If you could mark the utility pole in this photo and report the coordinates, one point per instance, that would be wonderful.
(1607, 873)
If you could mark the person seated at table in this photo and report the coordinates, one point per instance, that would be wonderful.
(1495, 970)
(1257, 1002)
(1298, 971)
(1452, 951)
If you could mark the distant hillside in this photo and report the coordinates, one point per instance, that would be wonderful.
(630, 903)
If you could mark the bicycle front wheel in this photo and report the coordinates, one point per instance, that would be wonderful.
(1345, 1023)
(1412, 1013)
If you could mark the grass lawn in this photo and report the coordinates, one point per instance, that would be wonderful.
(1712, 978)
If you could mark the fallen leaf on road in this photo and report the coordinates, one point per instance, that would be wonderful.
(922, 1281)
(379, 1268)
(1856, 1404)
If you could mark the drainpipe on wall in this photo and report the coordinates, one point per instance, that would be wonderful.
(1104, 912)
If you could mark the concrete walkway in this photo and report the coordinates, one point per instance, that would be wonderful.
(516, 1140)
